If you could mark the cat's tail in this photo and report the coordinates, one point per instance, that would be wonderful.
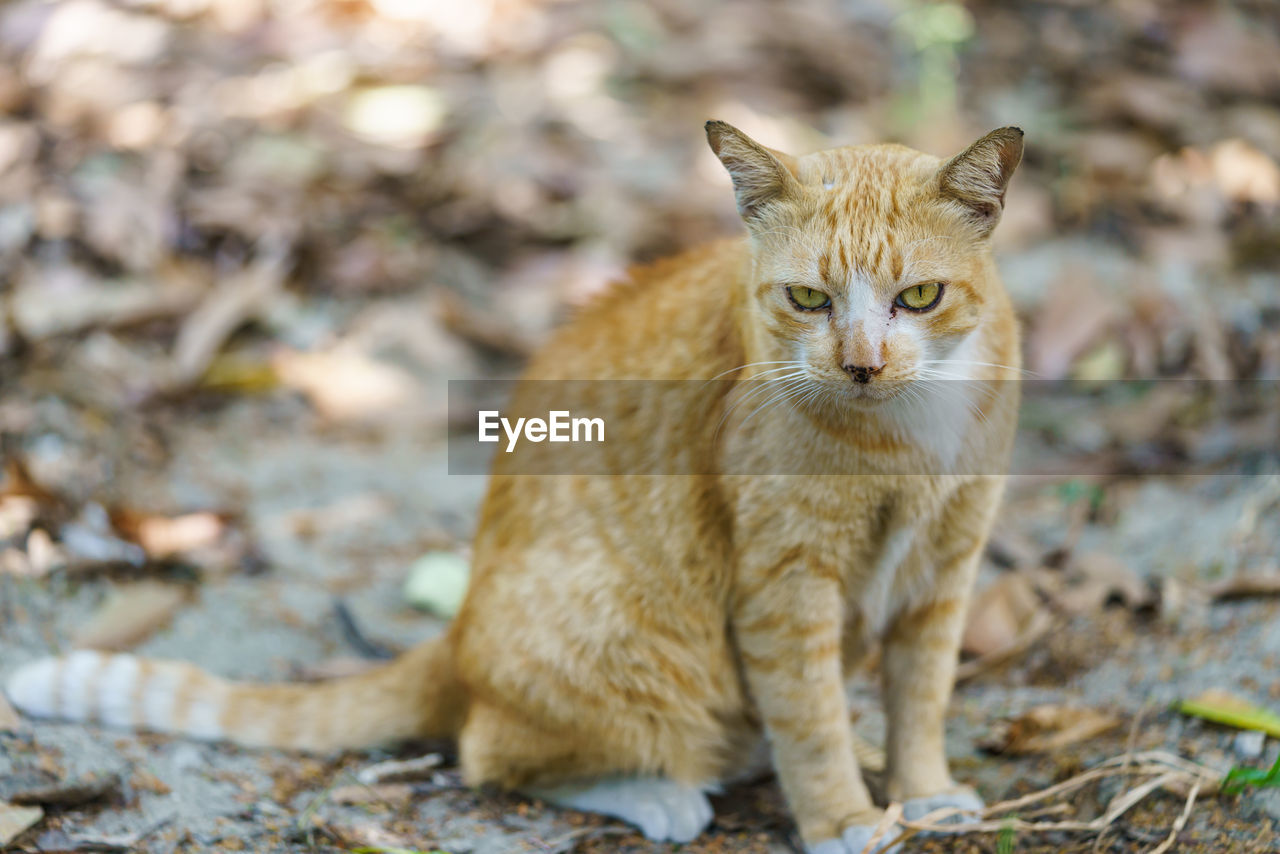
(417, 695)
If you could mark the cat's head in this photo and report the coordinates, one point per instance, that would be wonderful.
(871, 264)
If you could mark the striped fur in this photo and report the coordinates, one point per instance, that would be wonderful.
(413, 696)
(655, 627)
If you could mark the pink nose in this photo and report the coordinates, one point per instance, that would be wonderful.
(863, 373)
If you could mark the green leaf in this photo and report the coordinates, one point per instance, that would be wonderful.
(1240, 777)
(1231, 711)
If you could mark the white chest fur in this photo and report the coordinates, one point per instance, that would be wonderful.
(882, 595)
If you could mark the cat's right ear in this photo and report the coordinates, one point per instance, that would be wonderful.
(976, 178)
(761, 177)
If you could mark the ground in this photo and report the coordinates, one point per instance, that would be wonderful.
(245, 244)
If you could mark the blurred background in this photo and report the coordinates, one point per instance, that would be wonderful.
(245, 243)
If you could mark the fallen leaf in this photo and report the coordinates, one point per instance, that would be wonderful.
(999, 614)
(1036, 628)
(17, 512)
(1072, 317)
(61, 300)
(1221, 707)
(1091, 580)
(131, 614)
(165, 536)
(345, 384)
(222, 311)
(16, 820)
(1047, 728)
(437, 583)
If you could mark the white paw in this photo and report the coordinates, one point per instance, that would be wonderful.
(962, 797)
(663, 809)
(854, 840)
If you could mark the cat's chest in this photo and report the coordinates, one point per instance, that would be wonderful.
(890, 571)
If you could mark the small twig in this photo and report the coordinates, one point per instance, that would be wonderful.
(892, 813)
(1181, 821)
(1162, 769)
(400, 770)
(1132, 738)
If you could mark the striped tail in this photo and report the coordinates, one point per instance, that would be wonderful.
(415, 696)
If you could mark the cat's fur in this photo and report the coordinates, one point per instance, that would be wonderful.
(627, 639)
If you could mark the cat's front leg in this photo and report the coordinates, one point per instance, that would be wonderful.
(787, 622)
(918, 666)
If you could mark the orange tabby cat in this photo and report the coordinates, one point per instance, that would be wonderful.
(628, 639)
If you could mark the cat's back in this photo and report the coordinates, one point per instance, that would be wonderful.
(668, 320)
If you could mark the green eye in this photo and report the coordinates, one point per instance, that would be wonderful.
(807, 298)
(920, 297)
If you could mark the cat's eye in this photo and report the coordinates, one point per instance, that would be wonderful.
(920, 297)
(808, 298)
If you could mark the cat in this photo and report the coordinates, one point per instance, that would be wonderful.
(628, 641)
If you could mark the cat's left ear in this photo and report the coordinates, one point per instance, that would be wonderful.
(761, 176)
(977, 177)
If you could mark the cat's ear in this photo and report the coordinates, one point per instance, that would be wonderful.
(761, 176)
(977, 177)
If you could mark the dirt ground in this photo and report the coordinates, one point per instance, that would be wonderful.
(288, 466)
(246, 244)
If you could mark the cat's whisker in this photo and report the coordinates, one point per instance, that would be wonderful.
(973, 363)
(793, 387)
(764, 386)
(755, 365)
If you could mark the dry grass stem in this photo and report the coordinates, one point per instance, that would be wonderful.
(1162, 771)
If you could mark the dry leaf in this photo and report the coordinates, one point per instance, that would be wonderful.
(131, 614)
(222, 312)
(16, 820)
(1072, 317)
(1000, 614)
(165, 536)
(1047, 728)
(1091, 580)
(57, 301)
(346, 384)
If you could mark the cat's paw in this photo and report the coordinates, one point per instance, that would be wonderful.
(855, 839)
(664, 810)
(961, 797)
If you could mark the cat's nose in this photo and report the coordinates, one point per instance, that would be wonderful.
(863, 373)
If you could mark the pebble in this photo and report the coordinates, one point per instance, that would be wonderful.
(1250, 744)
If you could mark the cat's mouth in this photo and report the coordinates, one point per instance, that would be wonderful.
(874, 393)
